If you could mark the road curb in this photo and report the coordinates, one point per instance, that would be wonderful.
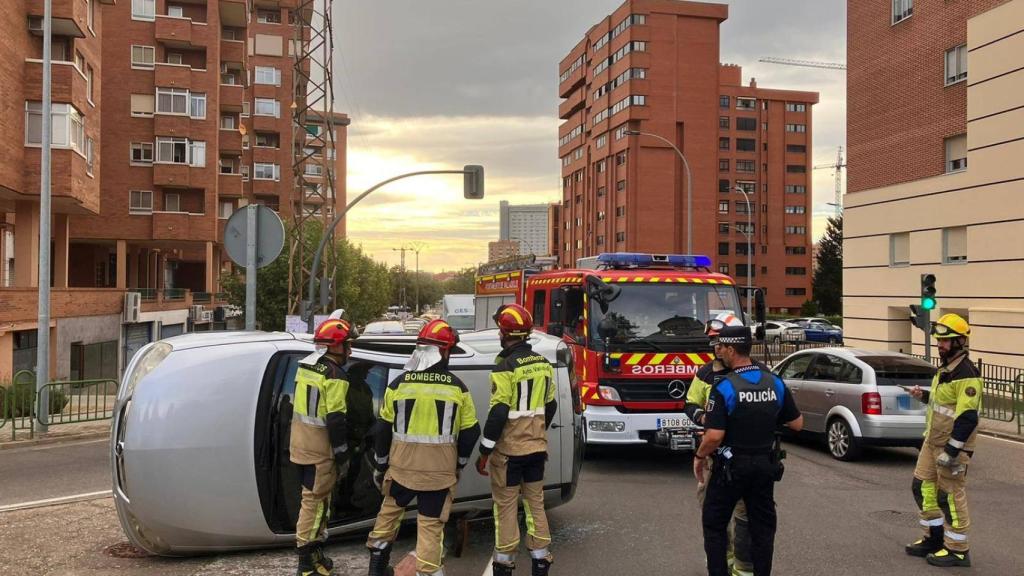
(1003, 436)
(53, 440)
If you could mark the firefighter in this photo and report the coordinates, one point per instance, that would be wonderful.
(425, 436)
(940, 478)
(514, 446)
(319, 438)
(744, 410)
(707, 377)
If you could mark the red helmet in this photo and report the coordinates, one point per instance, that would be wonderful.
(513, 320)
(334, 332)
(438, 333)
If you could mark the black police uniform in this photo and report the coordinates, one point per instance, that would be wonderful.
(749, 403)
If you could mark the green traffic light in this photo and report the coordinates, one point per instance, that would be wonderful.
(928, 303)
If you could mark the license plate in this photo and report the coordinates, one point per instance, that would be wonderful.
(672, 423)
(904, 402)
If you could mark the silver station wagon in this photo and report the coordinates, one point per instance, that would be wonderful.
(199, 449)
(855, 397)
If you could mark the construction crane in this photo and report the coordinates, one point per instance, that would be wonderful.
(805, 63)
(837, 170)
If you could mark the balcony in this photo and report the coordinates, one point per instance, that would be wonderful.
(232, 51)
(171, 175)
(165, 300)
(20, 305)
(233, 13)
(576, 101)
(230, 140)
(231, 97)
(172, 125)
(67, 84)
(73, 189)
(266, 123)
(173, 75)
(229, 185)
(182, 226)
(70, 17)
(174, 31)
(267, 187)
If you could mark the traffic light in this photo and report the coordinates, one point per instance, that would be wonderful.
(928, 291)
(920, 317)
(473, 182)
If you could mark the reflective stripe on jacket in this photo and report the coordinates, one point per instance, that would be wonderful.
(318, 414)
(954, 403)
(522, 394)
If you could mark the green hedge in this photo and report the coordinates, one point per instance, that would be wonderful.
(16, 400)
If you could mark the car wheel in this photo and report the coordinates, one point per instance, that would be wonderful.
(842, 444)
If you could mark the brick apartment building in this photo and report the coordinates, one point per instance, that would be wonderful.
(168, 116)
(935, 131)
(653, 66)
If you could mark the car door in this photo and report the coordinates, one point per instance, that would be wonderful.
(793, 372)
(848, 387)
(819, 390)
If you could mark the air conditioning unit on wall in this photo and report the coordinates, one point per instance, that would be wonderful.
(132, 307)
(207, 316)
(195, 312)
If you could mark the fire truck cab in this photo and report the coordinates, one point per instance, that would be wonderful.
(635, 326)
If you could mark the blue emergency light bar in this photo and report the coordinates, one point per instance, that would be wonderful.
(638, 260)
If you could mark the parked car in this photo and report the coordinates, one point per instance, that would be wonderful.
(820, 331)
(854, 398)
(413, 325)
(776, 331)
(199, 449)
(381, 327)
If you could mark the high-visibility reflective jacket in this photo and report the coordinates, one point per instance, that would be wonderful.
(953, 406)
(428, 429)
(522, 403)
(319, 425)
(700, 388)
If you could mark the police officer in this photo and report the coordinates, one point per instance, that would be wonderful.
(744, 410)
(696, 402)
(940, 478)
(515, 442)
(425, 436)
(319, 438)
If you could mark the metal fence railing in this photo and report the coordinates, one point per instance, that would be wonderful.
(71, 402)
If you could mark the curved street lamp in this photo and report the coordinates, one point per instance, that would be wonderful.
(689, 185)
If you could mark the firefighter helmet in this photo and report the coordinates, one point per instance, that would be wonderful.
(438, 333)
(334, 332)
(723, 319)
(513, 320)
(951, 326)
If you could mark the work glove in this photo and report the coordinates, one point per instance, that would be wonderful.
(378, 478)
(945, 460)
(481, 464)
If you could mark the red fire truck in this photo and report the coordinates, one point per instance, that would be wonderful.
(635, 327)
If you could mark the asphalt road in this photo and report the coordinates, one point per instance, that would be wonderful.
(635, 513)
(53, 471)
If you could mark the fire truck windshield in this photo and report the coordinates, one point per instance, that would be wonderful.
(660, 314)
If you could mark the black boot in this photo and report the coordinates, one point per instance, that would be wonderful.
(925, 546)
(321, 560)
(541, 566)
(307, 564)
(946, 558)
(499, 569)
(380, 558)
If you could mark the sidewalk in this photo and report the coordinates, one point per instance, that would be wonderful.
(57, 433)
(1007, 430)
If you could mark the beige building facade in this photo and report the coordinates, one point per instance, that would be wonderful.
(964, 224)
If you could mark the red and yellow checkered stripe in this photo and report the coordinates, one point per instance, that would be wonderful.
(655, 359)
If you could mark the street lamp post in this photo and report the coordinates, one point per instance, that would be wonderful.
(528, 245)
(750, 250)
(689, 185)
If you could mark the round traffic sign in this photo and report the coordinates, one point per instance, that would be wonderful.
(269, 235)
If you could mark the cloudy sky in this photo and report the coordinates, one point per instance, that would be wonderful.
(435, 84)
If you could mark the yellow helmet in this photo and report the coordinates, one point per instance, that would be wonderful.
(951, 326)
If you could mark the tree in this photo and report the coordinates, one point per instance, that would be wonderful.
(828, 269)
(430, 290)
(462, 283)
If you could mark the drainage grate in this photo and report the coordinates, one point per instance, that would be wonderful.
(125, 550)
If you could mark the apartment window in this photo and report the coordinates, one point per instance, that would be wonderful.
(746, 186)
(723, 101)
(142, 105)
(620, 236)
(746, 124)
(143, 57)
(746, 145)
(798, 128)
(723, 206)
(620, 185)
(197, 153)
(140, 202)
(795, 189)
(143, 9)
(723, 143)
(577, 154)
(89, 82)
(723, 165)
(600, 242)
(266, 171)
(741, 270)
(796, 148)
(142, 153)
(796, 250)
(620, 158)
(764, 128)
(174, 58)
(741, 207)
(245, 141)
(197, 106)
(746, 103)
(602, 140)
(268, 16)
(228, 123)
(244, 169)
(313, 170)
(601, 191)
(245, 109)
(796, 209)
(267, 140)
(723, 228)
(232, 34)
(268, 75)
(796, 169)
(172, 150)
(796, 271)
(620, 211)
(899, 249)
(723, 269)
(795, 107)
(956, 64)
(620, 132)
(67, 126)
(600, 166)
(901, 10)
(956, 153)
(566, 160)
(600, 215)
(175, 11)
(796, 230)
(268, 107)
(741, 248)
(723, 186)
(723, 122)
(796, 291)
(171, 101)
(572, 68)
(745, 166)
(723, 248)
(954, 245)
(226, 209)
(172, 202)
